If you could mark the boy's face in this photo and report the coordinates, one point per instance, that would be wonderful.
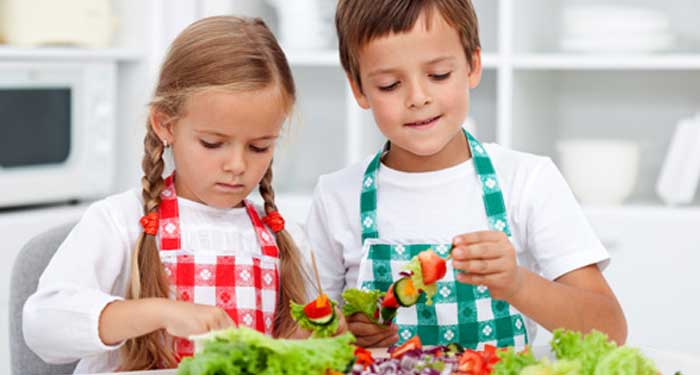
(417, 86)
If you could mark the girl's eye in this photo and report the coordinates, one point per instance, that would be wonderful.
(441, 77)
(389, 87)
(259, 150)
(209, 145)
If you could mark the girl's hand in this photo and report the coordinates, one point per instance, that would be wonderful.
(183, 319)
(370, 334)
(487, 258)
(342, 323)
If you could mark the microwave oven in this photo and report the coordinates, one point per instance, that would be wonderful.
(57, 131)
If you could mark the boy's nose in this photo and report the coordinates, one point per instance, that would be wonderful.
(418, 96)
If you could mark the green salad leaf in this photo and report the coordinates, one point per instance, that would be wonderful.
(512, 363)
(417, 276)
(326, 330)
(361, 301)
(243, 351)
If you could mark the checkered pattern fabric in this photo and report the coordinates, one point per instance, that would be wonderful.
(244, 286)
(460, 312)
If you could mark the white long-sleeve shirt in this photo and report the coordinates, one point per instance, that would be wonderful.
(92, 266)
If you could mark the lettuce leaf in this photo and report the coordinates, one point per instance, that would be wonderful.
(512, 362)
(245, 351)
(625, 361)
(544, 367)
(328, 330)
(361, 301)
(588, 349)
(417, 276)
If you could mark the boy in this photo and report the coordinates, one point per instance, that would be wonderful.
(522, 250)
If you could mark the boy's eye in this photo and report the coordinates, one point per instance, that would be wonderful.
(209, 145)
(389, 87)
(259, 149)
(441, 77)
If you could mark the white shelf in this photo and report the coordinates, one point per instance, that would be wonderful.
(330, 58)
(564, 61)
(40, 53)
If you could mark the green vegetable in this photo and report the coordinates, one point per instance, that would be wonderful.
(362, 301)
(243, 351)
(414, 266)
(625, 361)
(512, 363)
(599, 356)
(327, 329)
(544, 367)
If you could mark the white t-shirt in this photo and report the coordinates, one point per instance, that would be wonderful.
(550, 233)
(92, 267)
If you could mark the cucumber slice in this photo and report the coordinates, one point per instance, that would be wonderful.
(406, 293)
(324, 320)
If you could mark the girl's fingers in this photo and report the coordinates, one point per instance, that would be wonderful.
(380, 339)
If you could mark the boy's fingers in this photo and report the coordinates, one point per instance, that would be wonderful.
(477, 237)
(487, 250)
(482, 266)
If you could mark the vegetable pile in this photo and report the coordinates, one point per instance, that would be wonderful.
(243, 351)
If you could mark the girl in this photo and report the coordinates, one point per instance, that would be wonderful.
(187, 254)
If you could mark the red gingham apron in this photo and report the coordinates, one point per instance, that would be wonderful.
(245, 286)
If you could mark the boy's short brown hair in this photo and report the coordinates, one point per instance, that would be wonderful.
(358, 22)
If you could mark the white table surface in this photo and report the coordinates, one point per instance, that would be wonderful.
(667, 362)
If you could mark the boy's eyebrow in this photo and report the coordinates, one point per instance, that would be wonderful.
(392, 70)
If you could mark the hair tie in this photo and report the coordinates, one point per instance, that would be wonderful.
(275, 221)
(150, 223)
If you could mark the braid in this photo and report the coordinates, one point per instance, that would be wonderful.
(148, 279)
(291, 266)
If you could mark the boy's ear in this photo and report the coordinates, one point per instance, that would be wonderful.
(476, 69)
(360, 97)
(161, 125)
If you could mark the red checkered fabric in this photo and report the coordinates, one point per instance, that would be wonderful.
(244, 286)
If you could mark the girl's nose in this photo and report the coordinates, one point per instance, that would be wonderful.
(235, 164)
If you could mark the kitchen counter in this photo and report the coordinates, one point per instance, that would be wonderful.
(667, 362)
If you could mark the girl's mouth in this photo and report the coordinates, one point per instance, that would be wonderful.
(424, 123)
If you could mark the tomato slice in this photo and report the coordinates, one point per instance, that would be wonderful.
(412, 343)
(471, 363)
(363, 357)
(319, 308)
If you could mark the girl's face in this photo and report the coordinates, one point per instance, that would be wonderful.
(223, 143)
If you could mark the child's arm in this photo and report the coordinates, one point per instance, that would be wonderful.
(122, 320)
(559, 283)
(580, 300)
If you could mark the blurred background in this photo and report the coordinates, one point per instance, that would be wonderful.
(610, 90)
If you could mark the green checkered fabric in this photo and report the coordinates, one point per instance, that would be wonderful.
(460, 312)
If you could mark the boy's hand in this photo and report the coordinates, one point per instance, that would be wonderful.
(487, 258)
(370, 334)
(183, 319)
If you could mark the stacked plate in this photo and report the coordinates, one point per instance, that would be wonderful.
(614, 28)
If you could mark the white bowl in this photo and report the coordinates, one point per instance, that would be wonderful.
(600, 172)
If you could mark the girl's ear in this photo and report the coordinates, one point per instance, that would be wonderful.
(475, 70)
(161, 125)
(360, 97)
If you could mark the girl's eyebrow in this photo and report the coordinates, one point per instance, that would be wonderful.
(222, 135)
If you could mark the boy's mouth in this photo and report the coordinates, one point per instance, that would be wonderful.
(423, 123)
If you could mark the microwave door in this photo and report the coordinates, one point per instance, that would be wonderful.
(36, 127)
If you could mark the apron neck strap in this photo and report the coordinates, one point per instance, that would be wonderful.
(169, 223)
(491, 192)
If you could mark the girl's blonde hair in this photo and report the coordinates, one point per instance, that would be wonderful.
(223, 52)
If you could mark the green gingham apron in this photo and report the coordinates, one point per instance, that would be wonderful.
(460, 312)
